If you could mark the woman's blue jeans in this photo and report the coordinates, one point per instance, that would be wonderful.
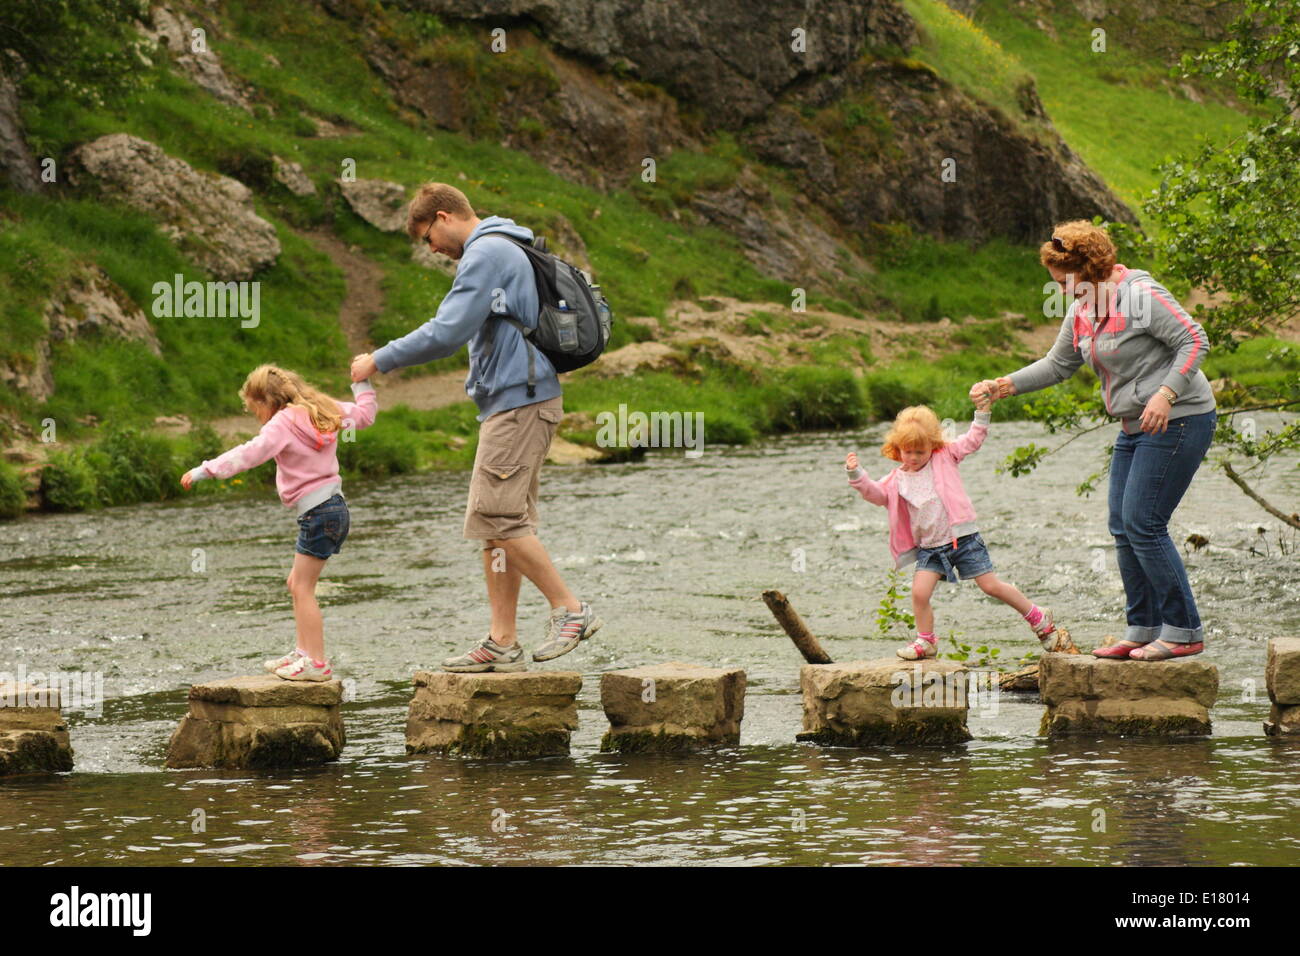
(1149, 474)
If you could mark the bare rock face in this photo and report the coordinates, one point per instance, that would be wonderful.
(175, 31)
(292, 177)
(17, 164)
(507, 716)
(1091, 695)
(735, 64)
(732, 59)
(210, 217)
(1283, 675)
(673, 707)
(378, 201)
(787, 245)
(89, 305)
(865, 703)
(33, 735)
(636, 358)
(259, 723)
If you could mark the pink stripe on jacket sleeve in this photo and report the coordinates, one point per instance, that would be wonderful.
(1178, 313)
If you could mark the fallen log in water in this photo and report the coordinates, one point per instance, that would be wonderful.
(794, 626)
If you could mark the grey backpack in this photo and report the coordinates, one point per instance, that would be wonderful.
(574, 321)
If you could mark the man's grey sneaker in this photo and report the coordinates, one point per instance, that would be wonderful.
(565, 630)
(488, 655)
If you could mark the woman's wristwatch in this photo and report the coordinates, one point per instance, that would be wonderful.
(1170, 395)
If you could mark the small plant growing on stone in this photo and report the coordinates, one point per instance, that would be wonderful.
(888, 613)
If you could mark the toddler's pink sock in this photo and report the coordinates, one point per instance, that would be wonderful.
(1034, 616)
(926, 636)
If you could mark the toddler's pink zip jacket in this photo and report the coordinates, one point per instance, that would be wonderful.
(947, 483)
(306, 460)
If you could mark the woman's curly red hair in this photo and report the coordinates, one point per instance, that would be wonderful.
(1081, 248)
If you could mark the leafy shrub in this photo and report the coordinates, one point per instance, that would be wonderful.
(811, 398)
(68, 482)
(13, 499)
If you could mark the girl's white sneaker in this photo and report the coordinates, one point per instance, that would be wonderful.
(275, 665)
(304, 668)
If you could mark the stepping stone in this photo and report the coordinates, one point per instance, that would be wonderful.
(673, 707)
(33, 735)
(509, 716)
(1282, 673)
(259, 722)
(1092, 695)
(891, 701)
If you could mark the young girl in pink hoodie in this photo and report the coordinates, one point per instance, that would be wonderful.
(300, 427)
(932, 522)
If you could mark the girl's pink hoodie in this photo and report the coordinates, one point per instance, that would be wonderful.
(306, 460)
(947, 483)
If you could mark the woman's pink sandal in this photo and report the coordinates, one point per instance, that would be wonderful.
(1155, 651)
(1118, 651)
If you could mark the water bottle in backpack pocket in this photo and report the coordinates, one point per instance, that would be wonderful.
(558, 324)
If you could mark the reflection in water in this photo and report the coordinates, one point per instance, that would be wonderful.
(674, 554)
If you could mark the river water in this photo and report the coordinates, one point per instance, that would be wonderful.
(674, 553)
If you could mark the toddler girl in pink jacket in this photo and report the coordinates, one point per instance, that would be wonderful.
(932, 522)
(300, 428)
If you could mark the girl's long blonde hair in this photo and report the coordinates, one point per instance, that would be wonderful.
(274, 388)
(915, 427)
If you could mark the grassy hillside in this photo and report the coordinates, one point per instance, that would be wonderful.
(1116, 109)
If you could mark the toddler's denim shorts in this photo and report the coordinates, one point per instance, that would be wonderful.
(323, 529)
(970, 558)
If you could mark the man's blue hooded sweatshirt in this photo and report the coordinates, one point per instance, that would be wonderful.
(494, 276)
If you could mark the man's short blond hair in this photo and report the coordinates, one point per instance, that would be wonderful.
(432, 199)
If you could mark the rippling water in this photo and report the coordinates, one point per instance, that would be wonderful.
(674, 553)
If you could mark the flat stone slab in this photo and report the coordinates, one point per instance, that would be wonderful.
(508, 716)
(672, 707)
(1092, 695)
(267, 690)
(1282, 671)
(259, 722)
(33, 734)
(867, 703)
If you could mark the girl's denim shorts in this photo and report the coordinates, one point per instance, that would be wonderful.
(970, 558)
(323, 529)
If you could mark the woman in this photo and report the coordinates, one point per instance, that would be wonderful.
(1147, 352)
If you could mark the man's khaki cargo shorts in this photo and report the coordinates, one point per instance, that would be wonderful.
(507, 469)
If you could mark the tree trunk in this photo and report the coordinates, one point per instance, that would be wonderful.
(794, 626)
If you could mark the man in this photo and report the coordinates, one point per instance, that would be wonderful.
(494, 278)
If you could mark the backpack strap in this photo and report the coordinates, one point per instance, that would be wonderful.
(538, 244)
(532, 349)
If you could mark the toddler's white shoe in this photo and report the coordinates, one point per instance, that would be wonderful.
(304, 668)
(919, 650)
(275, 665)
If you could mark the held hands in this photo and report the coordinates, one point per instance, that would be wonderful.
(1155, 417)
(982, 394)
(363, 366)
